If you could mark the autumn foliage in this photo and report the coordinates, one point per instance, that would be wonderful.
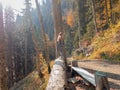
(106, 44)
(70, 18)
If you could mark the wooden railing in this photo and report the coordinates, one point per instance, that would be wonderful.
(99, 80)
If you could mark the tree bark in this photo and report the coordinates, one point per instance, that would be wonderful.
(111, 13)
(3, 73)
(57, 20)
(9, 27)
(26, 52)
(94, 15)
(58, 25)
(79, 23)
(106, 6)
(57, 80)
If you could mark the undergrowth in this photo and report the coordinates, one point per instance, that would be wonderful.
(107, 44)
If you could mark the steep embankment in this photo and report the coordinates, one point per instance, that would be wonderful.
(33, 81)
(107, 44)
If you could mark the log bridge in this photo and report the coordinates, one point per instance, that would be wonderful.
(58, 79)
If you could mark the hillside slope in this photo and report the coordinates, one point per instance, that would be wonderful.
(106, 44)
(33, 81)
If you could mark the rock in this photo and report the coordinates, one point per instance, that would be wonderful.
(73, 80)
(85, 51)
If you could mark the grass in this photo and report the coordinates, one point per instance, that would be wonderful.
(105, 44)
(33, 81)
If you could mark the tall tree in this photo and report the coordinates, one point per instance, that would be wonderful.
(46, 12)
(9, 28)
(3, 73)
(94, 14)
(106, 7)
(44, 36)
(81, 19)
(57, 15)
(31, 26)
(27, 25)
(29, 44)
(19, 38)
(69, 42)
(57, 20)
(111, 12)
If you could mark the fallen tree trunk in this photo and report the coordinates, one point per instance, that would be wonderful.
(57, 79)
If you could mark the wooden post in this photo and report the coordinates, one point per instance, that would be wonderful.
(75, 63)
(57, 79)
(101, 81)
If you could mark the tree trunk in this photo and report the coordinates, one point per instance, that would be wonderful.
(81, 19)
(57, 20)
(3, 73)
(44, 36)
(57, 80)
(79, 23)
(26, 51)
(9, 16)
(58, 25)
(111, 13)
(37, 51)
(106, 6)
(94, 15)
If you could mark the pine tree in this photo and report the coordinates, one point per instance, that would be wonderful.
(94, 15)
(106, 8)
(81, 19)
(111, 12)
(9, 29)
(57, 15)
(44, 36)
(69, 42)
(46, 11)
(3, 73)
(29, 44)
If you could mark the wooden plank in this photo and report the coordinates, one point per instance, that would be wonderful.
(85, 74)
(57, 80)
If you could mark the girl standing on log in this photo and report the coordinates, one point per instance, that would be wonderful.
(60, 44)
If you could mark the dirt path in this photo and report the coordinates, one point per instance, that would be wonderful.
(112, 70)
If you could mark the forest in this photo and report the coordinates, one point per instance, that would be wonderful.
(28, 47)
